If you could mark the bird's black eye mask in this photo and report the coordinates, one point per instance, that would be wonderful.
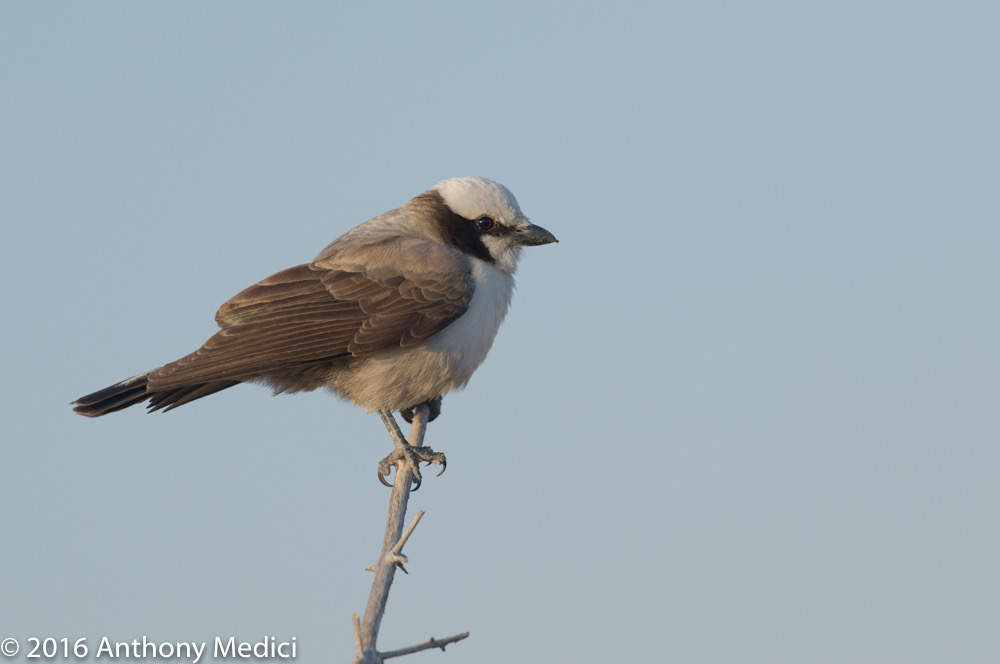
(466, 235)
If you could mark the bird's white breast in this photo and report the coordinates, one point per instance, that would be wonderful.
(471, 336)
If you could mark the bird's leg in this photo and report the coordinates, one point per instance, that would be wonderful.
(434, 404)
(415, 454)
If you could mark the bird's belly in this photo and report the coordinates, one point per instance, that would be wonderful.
(401, 378)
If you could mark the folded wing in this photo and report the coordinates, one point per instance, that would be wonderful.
(315, 313)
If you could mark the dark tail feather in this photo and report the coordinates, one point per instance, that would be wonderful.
(118, 396)
(134, 390)
(170, 399)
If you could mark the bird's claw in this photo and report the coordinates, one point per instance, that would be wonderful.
(415, 455)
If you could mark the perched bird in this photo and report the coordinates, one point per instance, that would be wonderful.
(393, 314)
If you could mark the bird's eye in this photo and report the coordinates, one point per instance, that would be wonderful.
(485, 224)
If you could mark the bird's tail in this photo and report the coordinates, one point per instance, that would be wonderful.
(136, 390)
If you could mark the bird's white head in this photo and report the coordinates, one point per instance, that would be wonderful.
(494, 217)
(472, 197)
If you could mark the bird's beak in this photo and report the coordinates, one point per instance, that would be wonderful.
(531, 235)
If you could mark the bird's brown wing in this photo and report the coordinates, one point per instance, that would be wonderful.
(319, 312)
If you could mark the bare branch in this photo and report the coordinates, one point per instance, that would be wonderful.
(426, 645)
(366, 630)
(421, 416)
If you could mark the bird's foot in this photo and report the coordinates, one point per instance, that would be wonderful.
(405, 451)
(434, 405)
(415, 455)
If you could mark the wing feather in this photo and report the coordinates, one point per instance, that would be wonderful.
(326, 310)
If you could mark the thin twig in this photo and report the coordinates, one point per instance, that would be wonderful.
(357, 637)
(426, 645)
(409, 531)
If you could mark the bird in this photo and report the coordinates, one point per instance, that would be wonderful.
(393, 314)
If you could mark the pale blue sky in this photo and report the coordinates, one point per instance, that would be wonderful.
(744, 411)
